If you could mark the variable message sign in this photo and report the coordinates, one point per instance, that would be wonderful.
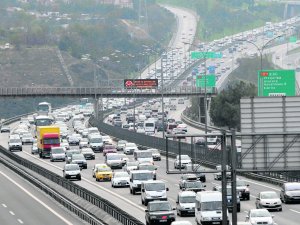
(276, 83)
(140, 83)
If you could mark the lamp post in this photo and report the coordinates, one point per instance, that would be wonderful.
(262, 48)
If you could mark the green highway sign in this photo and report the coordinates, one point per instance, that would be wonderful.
(293, 39)
(276, 83)
(206, 55)
(210, 81)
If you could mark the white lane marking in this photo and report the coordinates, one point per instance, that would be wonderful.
(96, 185)
(295, 211)
(20, 221)
(12, 213)
(4, 205)
(263, 185)
(35, 198)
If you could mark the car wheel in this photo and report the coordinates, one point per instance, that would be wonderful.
(280, 209)
(143, 202)
(130, 191)
(133, 191)
(248, 197)
(79, 178)
(51, 160)
(239, 209)
(285, 200)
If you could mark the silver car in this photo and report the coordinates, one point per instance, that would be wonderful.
(57, 154)
(269, 200)
(72, 171)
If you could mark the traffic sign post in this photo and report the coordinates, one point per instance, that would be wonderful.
(293, 39)
(208, 81)
(276, 83)
(206, 55)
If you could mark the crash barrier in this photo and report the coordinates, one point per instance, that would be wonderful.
(87, 195)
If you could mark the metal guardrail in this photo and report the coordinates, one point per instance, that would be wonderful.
(103, 91)
(79, 211)
(87, 195)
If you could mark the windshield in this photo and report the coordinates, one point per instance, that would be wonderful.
(69, 153)
(43, 122)
(114, 157)
(293, 187)
(72, 167)
(212, 206)
(149, 124)
(184, 157)
(160, 206)
(132, 163)
(143, 176)
(187, 199)
(78, 156)
(51, 141)
(122, 142)
(193, 184)
(260, 213)
(14, 140)
(58, 150)
(155, 187)
(103, 169)
(144, 154)
(268, 195)
(130, 145)
(122, 174)
(147, 167)
(96, 140)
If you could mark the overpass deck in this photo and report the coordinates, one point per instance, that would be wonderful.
(112, 92)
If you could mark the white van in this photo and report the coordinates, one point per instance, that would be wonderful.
(153, 190)
(136, 179)
(96, 143)
(149, 126)
(143, 156)
(209, 207)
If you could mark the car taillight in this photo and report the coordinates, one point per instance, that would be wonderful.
(164, 217)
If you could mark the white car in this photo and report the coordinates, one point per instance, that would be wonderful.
(65, 144)
(130, 148)
(182, 126)
(120, 179)
(185, 159)
(107, 140)
(72, 171)
(260, 216)
(269, 200)
(84, 143)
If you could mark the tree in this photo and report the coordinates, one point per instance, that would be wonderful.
(225, 108)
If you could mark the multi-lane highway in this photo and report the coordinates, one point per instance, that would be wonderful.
(22, 203)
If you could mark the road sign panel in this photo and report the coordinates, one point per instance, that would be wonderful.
(208, 81)
(207, 55)
(276, 83)
(293, 39)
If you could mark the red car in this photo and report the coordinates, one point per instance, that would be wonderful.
(109, 149)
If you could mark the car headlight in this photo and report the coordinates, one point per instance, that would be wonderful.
(148, 195)
(247, 190)
(206, 218)
(134, 185)
(172, 216)
(152, 217)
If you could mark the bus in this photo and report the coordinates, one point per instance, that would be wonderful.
(44, 108)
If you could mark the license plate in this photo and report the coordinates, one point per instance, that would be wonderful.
(215, 222)
(162, 220)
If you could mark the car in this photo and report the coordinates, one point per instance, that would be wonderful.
(243, 188)
(64, 143)
(84, 143)
(269, 200)
(195, 168)
(193, 185)
(79, 159)
(88, 153)
(185, 203)
(218, 175)
(109, 149)
(290, 192)
(260, 216)
(15, 143)
(229, 197)
(152, 190)
(70, 153)
(57, 154)
(130, 165)
(182, 161)
(182, 126)
(148, 166)
(107, 140)
(5, 129)
(155, 154)
(159, 212)
(72, 171)
(121, 144)
(120, 179)
(34, 149)
(114, 160)
(130, 148)
(73, 140)
(27, 138)
(187, 177)
(103, 172)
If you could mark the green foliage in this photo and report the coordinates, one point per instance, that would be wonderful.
(225, 108)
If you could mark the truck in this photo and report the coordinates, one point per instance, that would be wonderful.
(47, 137)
